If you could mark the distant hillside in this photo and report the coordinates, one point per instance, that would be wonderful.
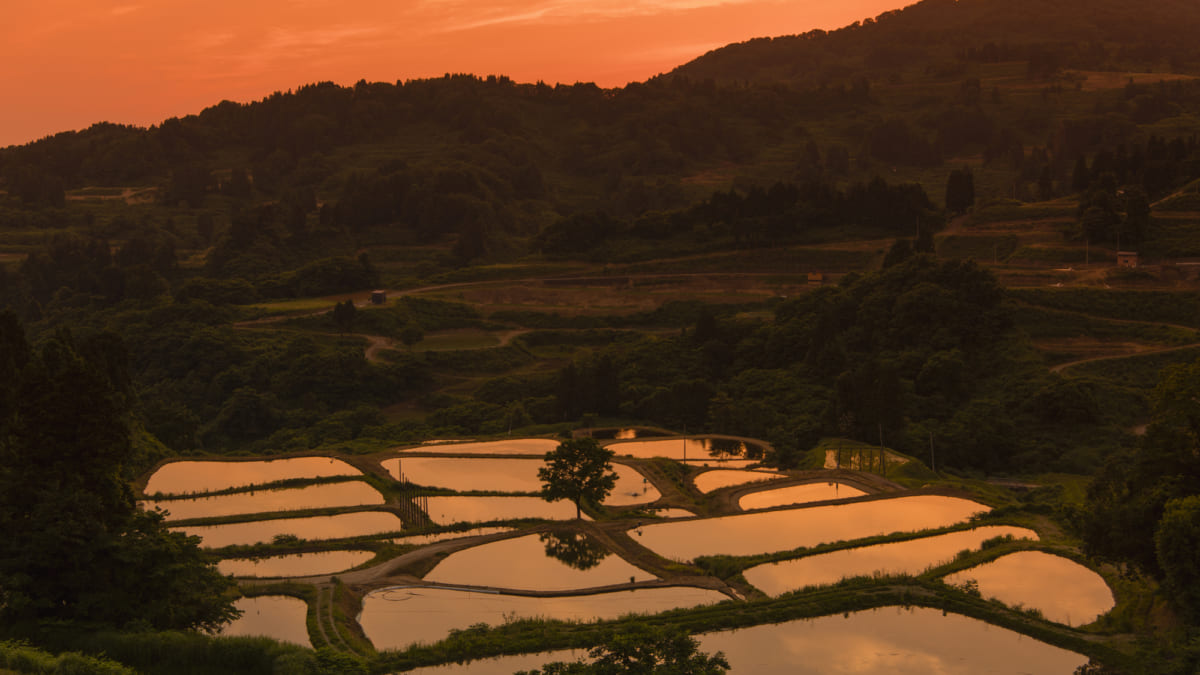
(1077, 34)
(848, 134)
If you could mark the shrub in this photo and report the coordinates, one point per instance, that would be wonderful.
(23, 658)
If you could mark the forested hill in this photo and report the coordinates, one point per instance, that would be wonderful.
(767, 143)
(736, 106)
(1053, 34)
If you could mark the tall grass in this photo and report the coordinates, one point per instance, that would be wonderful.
(177, 653)
(22, 658)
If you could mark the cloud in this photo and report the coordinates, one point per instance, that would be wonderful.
(250, 54)
(122, 10)
(211, 40)
(313, 39)
(468, 15)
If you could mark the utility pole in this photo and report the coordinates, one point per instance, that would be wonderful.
(932, 457)
(882, 453)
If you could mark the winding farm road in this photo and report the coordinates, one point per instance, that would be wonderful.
(1113, 357)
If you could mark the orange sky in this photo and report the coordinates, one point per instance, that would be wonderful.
(65, 64)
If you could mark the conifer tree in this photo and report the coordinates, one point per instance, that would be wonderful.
(76, 547)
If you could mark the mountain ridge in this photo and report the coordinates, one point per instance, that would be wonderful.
(1168, 26)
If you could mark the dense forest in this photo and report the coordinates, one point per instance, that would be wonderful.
(189, 288)
(1046, 37)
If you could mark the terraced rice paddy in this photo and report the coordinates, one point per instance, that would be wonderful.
(518, 446)
(394, 618)
(765, 532)
(276, 616)
(448, 510)
(340, 526)
(529, 563)
(1061, 589)
(798, 494)
(902, 557)
(321, 496)
(183, 478)
(295, 564)
(716, 479)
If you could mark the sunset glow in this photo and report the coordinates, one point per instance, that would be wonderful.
(70, 63)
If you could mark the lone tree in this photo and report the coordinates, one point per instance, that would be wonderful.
(344, 314)
(577, 469)
(960, 191)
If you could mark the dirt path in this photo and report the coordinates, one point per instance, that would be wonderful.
(376, 344)
(323, 610)
(507, 337)
(1146, 352)
(1186, 188)
(1075, 312)
(1138, 350)
(129, 195)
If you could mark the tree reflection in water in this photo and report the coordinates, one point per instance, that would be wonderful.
(574, 549)
(727, 448)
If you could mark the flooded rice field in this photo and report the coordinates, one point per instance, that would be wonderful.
(902, 557)
(690, 449)
(324, 495)
(502, 665)
(469, 474)
(1061, 589)
(884, 641)
(625, 434)
(672, 512)
(181, 478)
(888, 641)
(765, 532)
(716, 479)
(424, 539)
(798, 494)
(340, 526)
(465, 474)
(631, 488)
(546, 562)
(295, 564)
(860, 459)
(447, 510)
(275, 616)
(394, 618)
(517, 446)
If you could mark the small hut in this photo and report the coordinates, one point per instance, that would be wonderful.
(378, 297)
(1127, 259)
(816, 278)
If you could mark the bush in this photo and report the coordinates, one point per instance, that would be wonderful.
(176, 653)
(218, 291)
(23, 658)
(494, 360)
